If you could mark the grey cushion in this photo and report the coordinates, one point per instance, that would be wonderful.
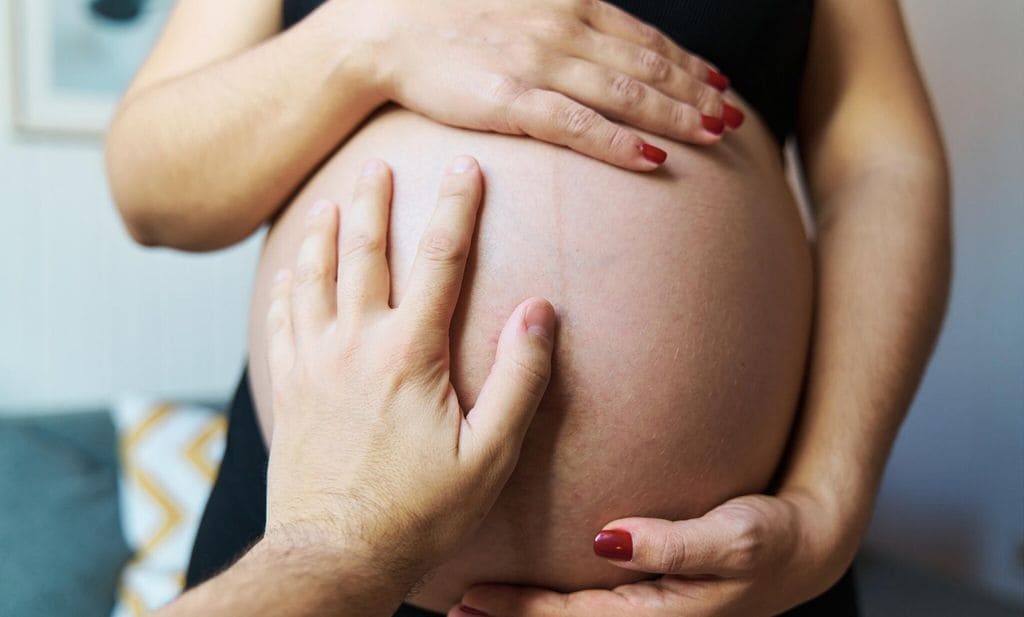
(61, 547)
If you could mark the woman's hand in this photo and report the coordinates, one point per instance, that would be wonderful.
(752, 556)
(371, 452)
(553, 70)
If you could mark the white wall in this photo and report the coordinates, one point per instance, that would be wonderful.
(954, 493)
(85, 315)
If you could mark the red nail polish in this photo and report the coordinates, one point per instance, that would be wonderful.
(469, 610)
(713, 124)
(732, 116)
(653, 154)
(614, 544)
(717, 80)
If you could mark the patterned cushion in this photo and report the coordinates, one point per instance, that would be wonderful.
(169, 455)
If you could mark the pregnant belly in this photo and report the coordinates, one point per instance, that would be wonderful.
(684, 299)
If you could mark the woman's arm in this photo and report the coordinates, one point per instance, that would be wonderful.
(878, 177)
(225, 120)
(879, 181)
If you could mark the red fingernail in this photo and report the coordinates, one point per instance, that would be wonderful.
(469, 610)
(732, 116)
(614, 544)
(717, 80)
(653, 154)
(712, 124)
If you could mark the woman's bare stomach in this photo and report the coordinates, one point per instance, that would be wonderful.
(684, 299)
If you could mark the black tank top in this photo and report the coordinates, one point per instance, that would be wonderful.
(760, 44)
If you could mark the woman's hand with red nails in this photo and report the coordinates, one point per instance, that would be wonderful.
(371, 453)
(753, 556)
(564, 71)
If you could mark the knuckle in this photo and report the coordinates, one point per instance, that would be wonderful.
(505, 89)
(692, 64)
(629, 91)
(677, 115)
(408, 357)
(651, 37)
(457, 189)
(311, 273)
(707, 98)
(509, 95)
(748, 543)
(683, 116)
(577, 120)
(277, 317)
(654, 66)
(349, 347)
(531, 376)
(582, 7)
(442, 246)
(358, 243)
(620, 140)
(670, 553)
(557, 28)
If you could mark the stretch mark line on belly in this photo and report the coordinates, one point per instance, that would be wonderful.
(557, 199)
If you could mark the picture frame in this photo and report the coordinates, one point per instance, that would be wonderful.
(73, 59)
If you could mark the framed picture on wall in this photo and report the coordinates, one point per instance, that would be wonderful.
(74, 58)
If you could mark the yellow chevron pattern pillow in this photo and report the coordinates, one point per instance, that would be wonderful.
(169, 455)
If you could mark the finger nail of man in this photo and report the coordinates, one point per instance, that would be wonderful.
(539, 320)
(461, 164)
(319, 207)
(614, 544)
(371, 167)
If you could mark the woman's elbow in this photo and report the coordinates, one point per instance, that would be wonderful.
(123, 179)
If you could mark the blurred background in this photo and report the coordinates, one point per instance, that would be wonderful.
(97, 334)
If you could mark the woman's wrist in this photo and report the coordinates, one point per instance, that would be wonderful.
(353, 48)
(835, 516)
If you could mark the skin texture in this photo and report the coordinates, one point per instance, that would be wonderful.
(879, 186)
(684, 299)
(186, 169)
(351, 534)
(878, 181)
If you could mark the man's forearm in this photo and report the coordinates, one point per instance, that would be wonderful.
(284, 580)
(883, 269)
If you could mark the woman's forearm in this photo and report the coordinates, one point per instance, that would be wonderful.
(883, 269)
(200, 161)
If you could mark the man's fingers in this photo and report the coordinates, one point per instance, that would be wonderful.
(718, 544)
(313, 288)
(363, 279)
(516, 384)
(555, 118)
(436, 276)
(280, 338)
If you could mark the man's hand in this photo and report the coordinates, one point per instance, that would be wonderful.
(752, 556)
(376, 473)
(371, 449)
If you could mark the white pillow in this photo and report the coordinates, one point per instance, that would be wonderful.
(169, 456)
